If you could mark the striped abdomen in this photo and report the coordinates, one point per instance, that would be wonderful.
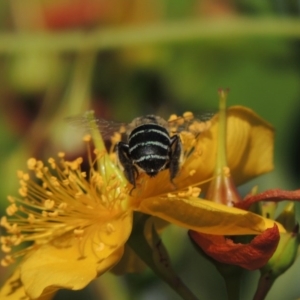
(149, 147)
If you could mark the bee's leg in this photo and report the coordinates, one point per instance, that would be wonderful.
(130, 170)
(175, 155)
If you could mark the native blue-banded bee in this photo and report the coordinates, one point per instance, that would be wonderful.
(151, 144)
(149, 149)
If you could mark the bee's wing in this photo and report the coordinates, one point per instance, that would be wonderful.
(106, 128)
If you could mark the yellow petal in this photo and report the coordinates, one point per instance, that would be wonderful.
(13, 289)
(250, 142)
(69, 263)
(206, 216)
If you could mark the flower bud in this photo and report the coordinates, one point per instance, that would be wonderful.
(284, 255)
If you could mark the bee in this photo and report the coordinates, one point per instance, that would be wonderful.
(150, 149)
(151, 145)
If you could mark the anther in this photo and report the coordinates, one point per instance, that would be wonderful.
(61, 154)
(25, 176)
(31, 218)
(172, 118)
(110, 228)
(100, 247)
(87, 138)
(4, 223)
(31, 163)
(10, 199)
(78, 233)
(62, 205)
(196, 192)
(188, 115)
(14, 229)
(226, 171)
(170, 195)
(6, 261)
(23, 191)
(116, 138)
(20, 174)
(5, 248)
(53, 214)
(192, 172)
(39, 174)
(49, 204)
(11, 209)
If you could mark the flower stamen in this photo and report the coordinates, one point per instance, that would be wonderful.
(61, 201)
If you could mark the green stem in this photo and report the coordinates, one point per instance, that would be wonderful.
(264, 285)
(77, 97)
(163, 270)
(232, 276)
(233, 287)
(180, 31)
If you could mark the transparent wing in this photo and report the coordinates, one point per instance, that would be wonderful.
(107, 128)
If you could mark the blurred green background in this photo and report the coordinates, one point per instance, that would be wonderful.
(125, 58)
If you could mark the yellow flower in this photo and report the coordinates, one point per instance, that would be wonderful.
(79, 222)
(76, 221)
